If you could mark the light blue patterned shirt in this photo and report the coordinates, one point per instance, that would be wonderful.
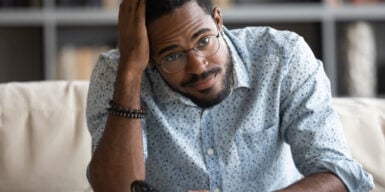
(277, 125)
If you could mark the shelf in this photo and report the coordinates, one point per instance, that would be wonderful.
(302, 13)
(354, 12)
(22, 17)
(273, 13)
(59, 16)
(307, 12)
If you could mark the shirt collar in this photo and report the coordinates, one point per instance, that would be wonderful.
(163, 93)
(240, 75)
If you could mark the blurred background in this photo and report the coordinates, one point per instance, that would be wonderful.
(61, 39)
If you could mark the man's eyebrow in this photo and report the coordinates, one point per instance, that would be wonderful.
(195, 35)
(171, 47)
(200, 32)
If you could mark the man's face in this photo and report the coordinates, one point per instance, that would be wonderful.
(206, 80)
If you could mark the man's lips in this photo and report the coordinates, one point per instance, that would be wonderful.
(204, 83)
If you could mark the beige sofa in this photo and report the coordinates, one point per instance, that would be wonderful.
(45, 145)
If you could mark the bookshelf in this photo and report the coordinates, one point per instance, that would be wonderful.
(33, 37)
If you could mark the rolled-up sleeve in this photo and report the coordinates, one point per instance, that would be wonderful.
(311, 126)
(99, 93)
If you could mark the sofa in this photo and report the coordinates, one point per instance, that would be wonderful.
(45, 145)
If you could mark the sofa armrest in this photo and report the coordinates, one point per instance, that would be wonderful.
(363, 122)
(44, 141)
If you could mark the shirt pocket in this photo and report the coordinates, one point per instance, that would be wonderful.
(257, 137)
(257, 147)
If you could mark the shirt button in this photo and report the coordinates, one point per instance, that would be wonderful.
(210, 151)
(216, 190)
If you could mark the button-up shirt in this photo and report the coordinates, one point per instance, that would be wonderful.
(276, 126)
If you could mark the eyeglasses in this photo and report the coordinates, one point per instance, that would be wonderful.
(176, 61)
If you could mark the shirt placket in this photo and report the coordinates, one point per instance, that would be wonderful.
(210, 152)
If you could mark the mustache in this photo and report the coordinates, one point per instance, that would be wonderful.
(195, 78)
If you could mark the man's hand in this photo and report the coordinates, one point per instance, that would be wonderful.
(132, 36)
(134, 52)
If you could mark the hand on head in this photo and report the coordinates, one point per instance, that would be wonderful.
(132, 35)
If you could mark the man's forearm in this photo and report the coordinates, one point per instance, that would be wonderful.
(320, 182)
(118, 159)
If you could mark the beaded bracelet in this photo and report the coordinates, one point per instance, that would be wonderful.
(118, 110)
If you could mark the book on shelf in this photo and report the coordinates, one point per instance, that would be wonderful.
(359, 61)
(76, 63)
(223, 3)
(110, 4)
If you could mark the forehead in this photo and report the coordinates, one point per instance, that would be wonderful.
(179, 25)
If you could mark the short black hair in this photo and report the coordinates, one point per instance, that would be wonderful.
(158, 8)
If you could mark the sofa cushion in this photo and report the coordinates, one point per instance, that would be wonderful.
(363, 121)
(44, 142)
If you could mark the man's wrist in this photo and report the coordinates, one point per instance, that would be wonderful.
(116, 109)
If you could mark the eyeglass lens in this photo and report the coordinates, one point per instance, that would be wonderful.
(205, 47)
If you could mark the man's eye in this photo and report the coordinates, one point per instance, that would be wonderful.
(204, 42)
(173, 57)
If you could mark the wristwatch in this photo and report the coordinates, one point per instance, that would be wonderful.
(142, 186)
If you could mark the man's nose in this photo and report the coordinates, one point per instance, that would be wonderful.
(195, 64)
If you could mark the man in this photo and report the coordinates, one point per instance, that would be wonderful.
(240, 110)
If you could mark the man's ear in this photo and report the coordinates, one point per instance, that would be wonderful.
(217, 16)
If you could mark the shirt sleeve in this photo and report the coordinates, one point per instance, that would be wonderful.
(99, 93)
(311, 126)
